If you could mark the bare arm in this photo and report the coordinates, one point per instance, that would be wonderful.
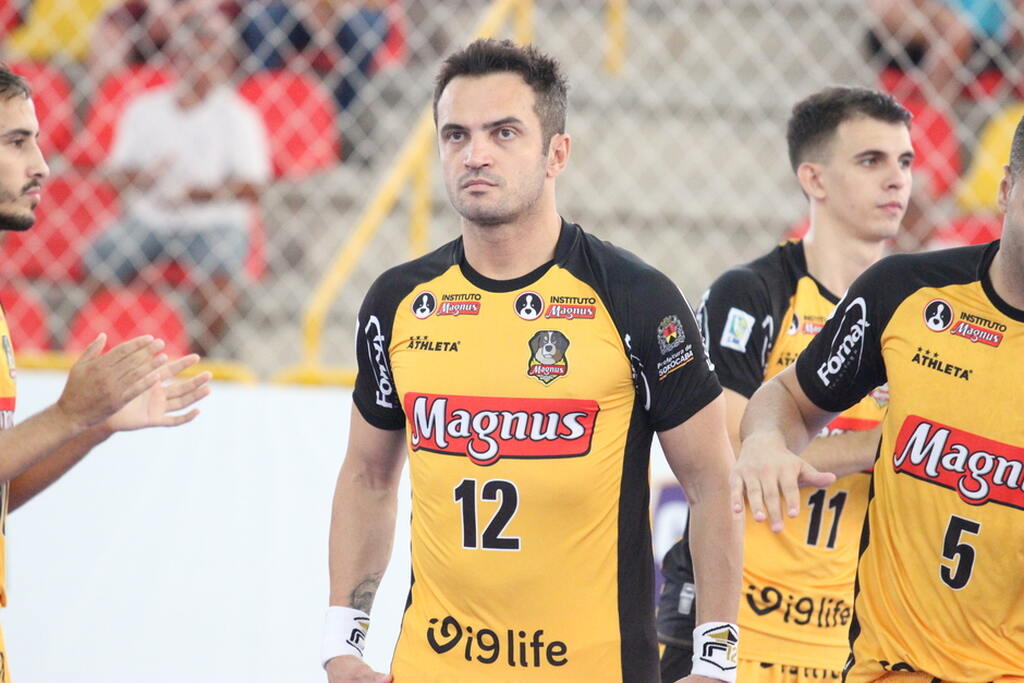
(699, 454)
(779, 422)
(363, 525)
(846, 453)
(152, 408)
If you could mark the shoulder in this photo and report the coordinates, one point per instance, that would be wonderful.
(395, 283)
(900, 275)
(774, 273)
(619, 267)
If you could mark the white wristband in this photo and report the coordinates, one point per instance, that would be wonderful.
(344, 633)
(714, 650)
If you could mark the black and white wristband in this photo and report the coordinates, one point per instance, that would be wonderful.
(715, 646)
(344, 633)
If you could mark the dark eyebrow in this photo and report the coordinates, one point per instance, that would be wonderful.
(508, 120)
(869, 153)
(19, 133)
(450, 127)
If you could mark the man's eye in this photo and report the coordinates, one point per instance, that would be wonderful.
(506, 133)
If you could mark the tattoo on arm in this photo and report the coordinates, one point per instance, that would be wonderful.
(363, 594)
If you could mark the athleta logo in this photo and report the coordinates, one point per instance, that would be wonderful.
(486, 429)
(512, 647)
(930, 360)
(979, 469)
(848, 342)
(382, 372)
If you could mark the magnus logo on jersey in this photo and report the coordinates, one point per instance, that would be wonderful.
(547, 356)
(459, 304)
(513, 647)
(529, 305)
(486, 429)
(848, 343)
(930, 359)
(572, 307)
(424, 304)
(376, 350)
(974, 328)
(979, 469)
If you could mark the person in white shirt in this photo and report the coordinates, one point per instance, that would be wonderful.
(189, 160)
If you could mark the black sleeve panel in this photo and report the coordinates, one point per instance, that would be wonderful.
(658, 331)
(375, 393)
(739, 327)
(844, 361)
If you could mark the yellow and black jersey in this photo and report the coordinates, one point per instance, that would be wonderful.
(797, 585)
(7, 396)
(940, 585)
(529, 407)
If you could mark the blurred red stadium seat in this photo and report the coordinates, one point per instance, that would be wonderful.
(936, 145)
(987, 84)
(125, 313)
(93, 144)
(974, 228)
(394, 51)
(26, 318)
(73, 208)
(55, 109)
(299, 116)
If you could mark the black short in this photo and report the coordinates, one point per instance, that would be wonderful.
(677, 612)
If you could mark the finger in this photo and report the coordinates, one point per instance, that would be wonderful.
(94, 348)
(773, 505)
(175, 367)
(186, 386)
(126, 350)
(755, 498)
(810, 476)
(179, 402)
(137, 387)
(790, 494)
(736, 492)
(175, 420)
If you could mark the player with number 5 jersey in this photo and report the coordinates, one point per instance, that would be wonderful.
(939, 584)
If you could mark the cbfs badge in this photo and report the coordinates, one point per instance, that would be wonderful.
(547, 356)
(670, 333)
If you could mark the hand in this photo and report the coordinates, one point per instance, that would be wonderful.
(100, 384)
(351, 669)
(765, 469)
(696, 678)
(156, 406)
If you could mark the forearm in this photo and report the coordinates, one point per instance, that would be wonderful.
(29, 442)
(845, 453)
(362, 532)
(774, 417)
(52, 467)
(716, 543)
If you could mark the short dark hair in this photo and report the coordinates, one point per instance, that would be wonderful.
(1017, 151)
(541, 73)
(816, 118)
(12, 85)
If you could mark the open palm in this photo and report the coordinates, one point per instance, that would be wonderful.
(158, 406)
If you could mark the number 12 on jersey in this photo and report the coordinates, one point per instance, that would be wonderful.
(493, 490)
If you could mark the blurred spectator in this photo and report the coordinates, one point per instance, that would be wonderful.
(336, 39)
(190, 160)
(938, 37)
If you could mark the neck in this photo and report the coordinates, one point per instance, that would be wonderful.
(836, 258)
(192, 93)
(511, 250)
(1007, 271)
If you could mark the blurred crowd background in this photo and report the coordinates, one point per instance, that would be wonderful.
(233, 175)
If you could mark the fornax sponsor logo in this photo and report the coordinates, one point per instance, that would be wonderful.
(979, 469)
(486, 429)
(377, 352)
(847, 347)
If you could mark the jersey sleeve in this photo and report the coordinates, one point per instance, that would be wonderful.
(735, 318)
(375, 395)
(843, 363)
(673, 377)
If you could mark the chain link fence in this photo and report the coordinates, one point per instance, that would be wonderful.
(679, 156)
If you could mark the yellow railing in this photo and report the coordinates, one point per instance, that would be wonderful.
(412, 167)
